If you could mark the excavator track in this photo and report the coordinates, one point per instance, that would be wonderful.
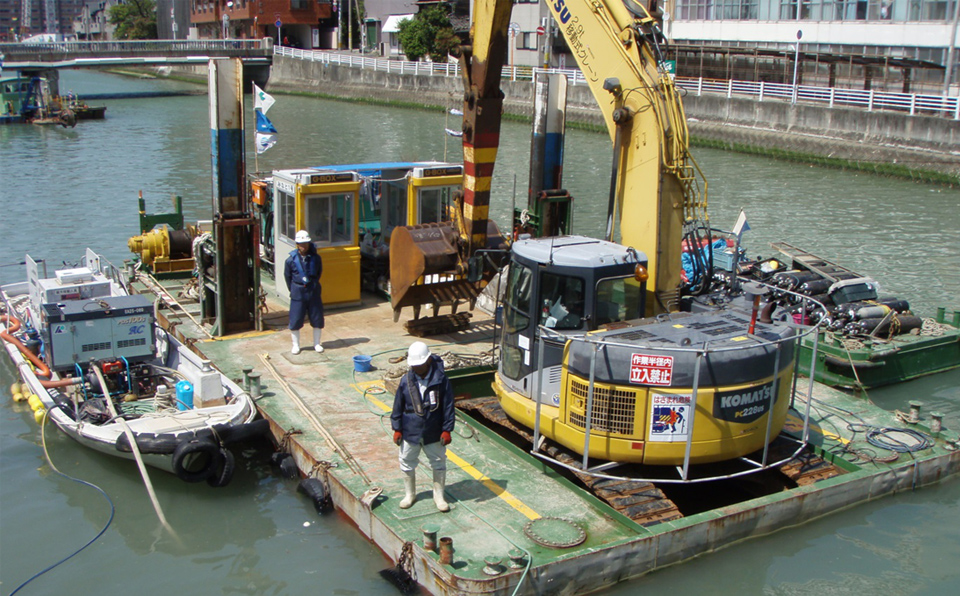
(642, 502)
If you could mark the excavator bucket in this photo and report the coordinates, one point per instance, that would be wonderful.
(426, 269)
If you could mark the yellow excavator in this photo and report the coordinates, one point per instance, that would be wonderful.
(594, 353)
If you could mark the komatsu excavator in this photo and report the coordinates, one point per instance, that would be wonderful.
(594, 355)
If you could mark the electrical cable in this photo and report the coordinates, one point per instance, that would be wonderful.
(43, 439)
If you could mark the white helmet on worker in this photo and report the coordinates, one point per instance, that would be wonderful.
(302, 236)
(418, 353)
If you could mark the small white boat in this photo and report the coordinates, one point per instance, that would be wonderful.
(81, 335)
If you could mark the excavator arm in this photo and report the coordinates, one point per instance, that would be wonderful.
(655, 185)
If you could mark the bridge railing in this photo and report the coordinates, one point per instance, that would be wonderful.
(14, 52)
(869, 100)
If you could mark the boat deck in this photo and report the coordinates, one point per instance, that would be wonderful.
(335, 421)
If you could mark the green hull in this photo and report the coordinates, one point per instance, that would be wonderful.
(872, 363)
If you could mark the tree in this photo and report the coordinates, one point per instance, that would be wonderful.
(428, 33)
(134, 19)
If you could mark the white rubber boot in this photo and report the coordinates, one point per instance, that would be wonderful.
(316, 341)
(409, 489)
(439, 483)
(295, 338)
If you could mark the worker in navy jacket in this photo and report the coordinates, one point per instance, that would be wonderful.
(302, 271)
(423, 418)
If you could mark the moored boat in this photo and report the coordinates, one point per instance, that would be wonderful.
(93, 360)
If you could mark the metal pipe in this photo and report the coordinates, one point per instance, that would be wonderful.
(586, 434)
(773, 401)
(813, 364)
(693, 413)
(536, 422)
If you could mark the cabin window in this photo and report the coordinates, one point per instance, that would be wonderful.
(287, 211)
(434, 203)
(516, 319)
(395, 208)
(329, 218)
(561, 301)
(618, 299)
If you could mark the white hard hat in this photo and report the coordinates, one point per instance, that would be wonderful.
(418, 353)
(302, 236)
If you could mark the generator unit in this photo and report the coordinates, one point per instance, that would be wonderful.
(69, 284)
(111, 327)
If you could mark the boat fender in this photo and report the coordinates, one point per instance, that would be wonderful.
(224, 472)
(196, 460)
(162, 444)
(316, 492)
(235, 433)
(286, 463)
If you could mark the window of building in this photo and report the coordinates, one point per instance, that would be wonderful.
(435, 202)
(395, 210)
(288, 216)
(329, 218)
(527, 41)
(929, 10)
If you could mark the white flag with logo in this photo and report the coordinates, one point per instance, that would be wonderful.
(741, 226)
(261, 100)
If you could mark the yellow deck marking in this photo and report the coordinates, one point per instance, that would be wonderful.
(245, 335)
(461, 463)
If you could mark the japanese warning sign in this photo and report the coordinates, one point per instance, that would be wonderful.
(669, 418)
(651, 370)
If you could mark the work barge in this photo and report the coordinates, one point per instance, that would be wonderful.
(519, 524)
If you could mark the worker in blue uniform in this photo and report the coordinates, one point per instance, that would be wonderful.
(302, 271)
(422, 419)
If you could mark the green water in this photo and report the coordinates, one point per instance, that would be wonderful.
(66, 189)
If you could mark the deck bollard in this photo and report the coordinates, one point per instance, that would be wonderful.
(914, 416)
(936, 422)
(492, 566)
(430, 536)
(446, 550)
(516, 558)
(255, 385)
(246, 377)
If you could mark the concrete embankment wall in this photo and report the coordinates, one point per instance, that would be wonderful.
(922, 147)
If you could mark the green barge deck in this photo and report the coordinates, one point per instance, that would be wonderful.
(506, 503)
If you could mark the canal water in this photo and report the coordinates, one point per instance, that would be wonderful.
(66, 189)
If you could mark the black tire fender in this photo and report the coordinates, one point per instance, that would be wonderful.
(195, 460)
(224, 472)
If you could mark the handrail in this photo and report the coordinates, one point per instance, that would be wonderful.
(702, 350)
(869, 100)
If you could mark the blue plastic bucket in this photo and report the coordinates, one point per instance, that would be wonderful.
(362, 364)
(184, 395)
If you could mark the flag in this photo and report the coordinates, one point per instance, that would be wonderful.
(261, 101)
(266, 135)
(741, 226)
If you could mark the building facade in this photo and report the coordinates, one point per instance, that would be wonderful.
(910, 43)
(309, 24)
(19, 19)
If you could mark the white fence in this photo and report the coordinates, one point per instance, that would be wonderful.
(870, 100)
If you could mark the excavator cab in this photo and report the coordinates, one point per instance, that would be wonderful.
(558, 287)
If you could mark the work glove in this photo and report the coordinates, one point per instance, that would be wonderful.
(397, 437)
(445, 438)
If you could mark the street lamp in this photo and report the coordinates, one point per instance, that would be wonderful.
(796, 64)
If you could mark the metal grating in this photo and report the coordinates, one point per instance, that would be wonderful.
(613, 408)
(104, 345)
(127, 343)
(720, 331)
(634, 335)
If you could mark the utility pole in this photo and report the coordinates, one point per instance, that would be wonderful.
(951, 49)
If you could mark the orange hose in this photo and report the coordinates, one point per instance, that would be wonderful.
(13, 325)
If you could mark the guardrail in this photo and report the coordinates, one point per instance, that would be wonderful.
(73, 53)
(870, 100)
